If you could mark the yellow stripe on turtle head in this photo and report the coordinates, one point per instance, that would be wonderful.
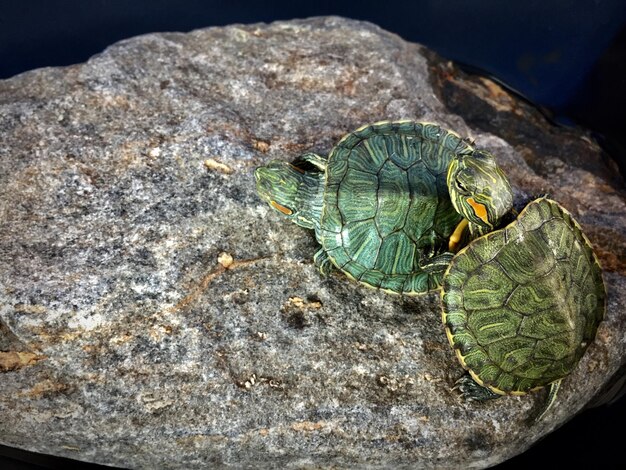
(280, 208)
(479, 209)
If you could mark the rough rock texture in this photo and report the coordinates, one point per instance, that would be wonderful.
(155, 314)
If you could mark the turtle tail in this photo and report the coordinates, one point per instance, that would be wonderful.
(554, 389)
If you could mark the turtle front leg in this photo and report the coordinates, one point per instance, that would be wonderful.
(459, 236)
(470, 390)
(314, 159)
(322, 261)
(432, 261)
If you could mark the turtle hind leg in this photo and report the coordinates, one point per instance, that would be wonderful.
(471, 390)
(322, 261)
(554, 389)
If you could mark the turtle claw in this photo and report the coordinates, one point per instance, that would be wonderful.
(323, 263)
(472, 391)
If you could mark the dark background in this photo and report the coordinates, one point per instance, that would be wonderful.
(569, 57)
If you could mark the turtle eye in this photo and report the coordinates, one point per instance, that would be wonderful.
(460, 186)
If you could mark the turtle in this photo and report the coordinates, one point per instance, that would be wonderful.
(390, 204)
(521, 304)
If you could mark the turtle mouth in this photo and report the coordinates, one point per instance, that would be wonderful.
(503, 203)
(263, 183)
(258, 176)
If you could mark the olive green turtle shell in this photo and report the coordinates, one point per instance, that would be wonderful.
(521, 304)
(386, 203)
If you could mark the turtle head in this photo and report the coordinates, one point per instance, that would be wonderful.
(293, 192)
(479, 190)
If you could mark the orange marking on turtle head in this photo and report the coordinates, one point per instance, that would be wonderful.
(281, 208)
(479, 209)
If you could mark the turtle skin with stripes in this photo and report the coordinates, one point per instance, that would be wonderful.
(522, 304)
(381, 203)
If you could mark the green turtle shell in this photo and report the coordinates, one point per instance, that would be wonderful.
(521, 304)
(386, 203)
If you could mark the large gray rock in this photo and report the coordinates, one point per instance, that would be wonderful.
(154, 313)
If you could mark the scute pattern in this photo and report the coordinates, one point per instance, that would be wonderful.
(521, 304)
(393, 196)
(386, 203)
(355, 199)
(362, 241)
